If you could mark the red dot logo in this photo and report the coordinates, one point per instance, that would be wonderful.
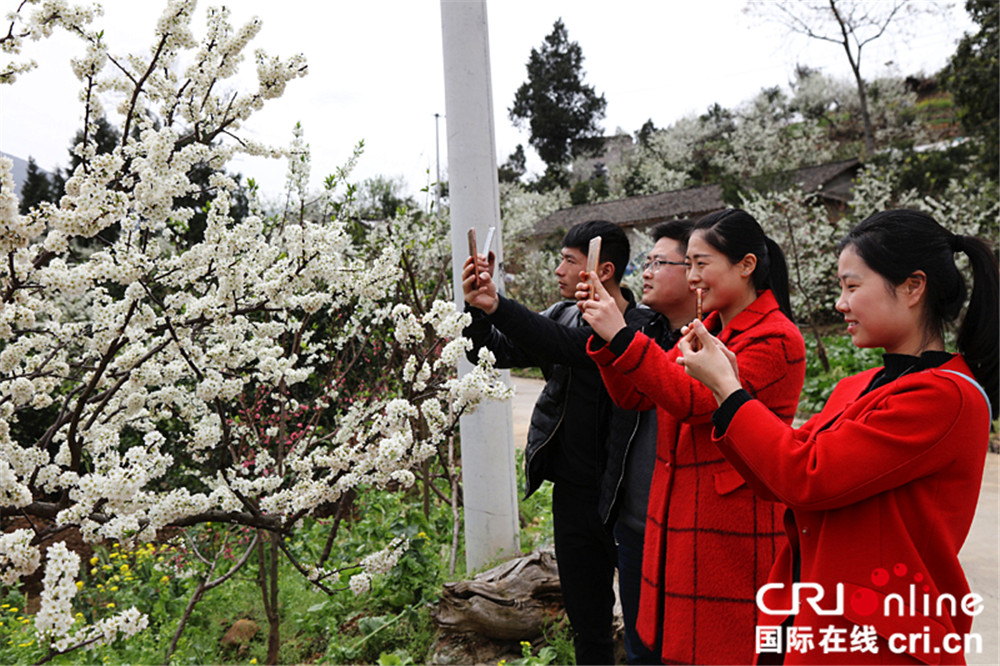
(899, 570)
(864, 601)
(918, 577)
(880, 577)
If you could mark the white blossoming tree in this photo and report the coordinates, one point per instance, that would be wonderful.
(254, 377)
(808, 231)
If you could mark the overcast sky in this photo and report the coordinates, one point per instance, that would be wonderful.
(376, 71)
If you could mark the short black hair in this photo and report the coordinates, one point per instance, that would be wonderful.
(678, 230)
(614, 243)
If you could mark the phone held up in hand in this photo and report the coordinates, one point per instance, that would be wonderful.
(699, 314)
(474, 250)
(474, 254)
(593, 259)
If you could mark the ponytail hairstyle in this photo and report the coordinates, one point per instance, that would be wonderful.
(897, 243)
(735, 233)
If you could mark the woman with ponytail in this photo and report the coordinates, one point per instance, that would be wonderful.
(882, 484)
(709, 542)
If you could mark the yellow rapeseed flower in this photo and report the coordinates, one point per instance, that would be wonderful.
(123, 568)
(94, 560)
(114, 588)
(79, 584)
(13, 609)
(165, 580)
(111, 604)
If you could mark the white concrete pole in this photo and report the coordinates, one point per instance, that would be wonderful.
(489, 483)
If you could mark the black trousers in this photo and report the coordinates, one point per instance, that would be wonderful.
(585, 553)
(629, 583)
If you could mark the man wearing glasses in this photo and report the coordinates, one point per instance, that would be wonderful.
(665, 290)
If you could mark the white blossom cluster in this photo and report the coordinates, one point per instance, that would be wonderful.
(55, 621)
(35, 20)
(17, 556)
(119, 626)
(529, 279)
(378, 563)
(219, 362)
(55, 615)
(802, 227)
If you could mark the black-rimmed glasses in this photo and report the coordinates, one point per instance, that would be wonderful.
(653, 265)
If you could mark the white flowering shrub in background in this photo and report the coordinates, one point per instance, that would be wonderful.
(255, 377)
(530, 262)
(808, 231)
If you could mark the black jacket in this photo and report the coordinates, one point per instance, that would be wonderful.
(556, 342)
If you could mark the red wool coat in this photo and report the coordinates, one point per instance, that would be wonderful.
(709, 541)
(881, 489)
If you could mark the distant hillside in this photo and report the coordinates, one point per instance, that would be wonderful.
(20, 172)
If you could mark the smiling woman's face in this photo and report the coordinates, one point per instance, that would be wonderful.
(725, 286)
(876, 313)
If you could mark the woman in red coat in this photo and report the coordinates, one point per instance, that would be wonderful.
(709, 542)
(882, 484)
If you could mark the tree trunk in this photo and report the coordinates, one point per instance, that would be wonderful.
(267, 579)
(509, 602)
(865, 116)
(856, 69)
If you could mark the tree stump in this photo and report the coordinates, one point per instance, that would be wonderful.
(509, 602)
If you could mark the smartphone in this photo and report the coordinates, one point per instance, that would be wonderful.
(593, 259)
(474, 254)
(699, 314)
(488, 246)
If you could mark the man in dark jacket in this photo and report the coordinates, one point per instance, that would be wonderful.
(571, 431)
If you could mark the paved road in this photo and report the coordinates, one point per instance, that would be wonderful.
(980, 556)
